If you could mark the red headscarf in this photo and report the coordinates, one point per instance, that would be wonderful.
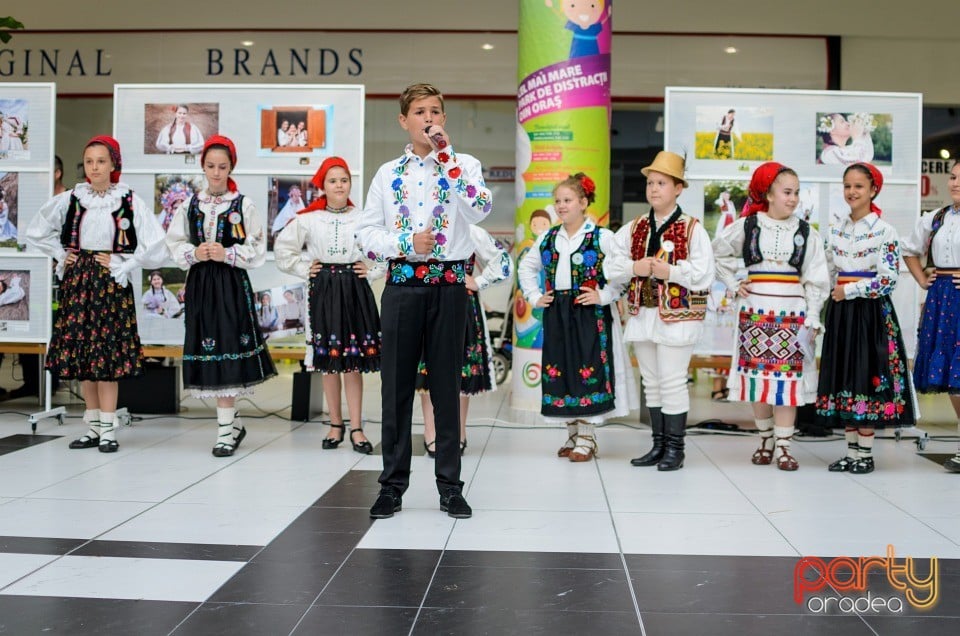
(763, 177)
(877, 179)
(320, 203)
(113, 147)
(220, 140)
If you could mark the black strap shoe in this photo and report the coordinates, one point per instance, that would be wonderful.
(455, 505)
(387, 503)
(364, 447)
(329, 443)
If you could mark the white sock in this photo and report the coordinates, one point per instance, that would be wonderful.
(237, 425)
(225, 425)
(958, 447)
(783, 435)
(765, 426)
(108, 427)
(850, 434)
(571, 435)
(583, 446)
(91, 418)
(865, 442)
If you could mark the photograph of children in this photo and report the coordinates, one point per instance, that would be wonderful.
(727, 133)
(14, 143)
(170, 190)
(170, 129)
(295, 129)
(722, 202)
(846, 138)
(285, 197)
(9, 190)
(163, 293)
(14, 301)
(281, 312)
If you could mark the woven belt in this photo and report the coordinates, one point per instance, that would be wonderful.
(773, 277)
(851, 277)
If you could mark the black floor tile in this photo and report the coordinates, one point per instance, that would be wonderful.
(385, 578)
(317, 519)
(665, 624)
(496, 621)
(356, 489)
(39, 545)
(317, 548)
(357, 621)
(530, 589)
(947, 591)
(238, 619)
(23, 440)
(188, 551)
(937, 458)
(910, 625)
(546, 560)
(275, 582)
(80, 616)
(708, 562)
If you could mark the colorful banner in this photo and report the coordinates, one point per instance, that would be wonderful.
(563, 127)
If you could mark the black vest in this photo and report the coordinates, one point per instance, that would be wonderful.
(227, 234)
(751, 243)
(122, 216)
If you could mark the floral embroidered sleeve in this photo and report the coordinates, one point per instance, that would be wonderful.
(379, 241)
(474, 199)
(888, 270)
(493, 259)
(178, 241)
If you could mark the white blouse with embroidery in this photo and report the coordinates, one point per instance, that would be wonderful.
(249, 255)
(944, 250)
(868, 245)
(328, 237)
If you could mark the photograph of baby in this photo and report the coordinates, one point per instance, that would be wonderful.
(171, 190)
(170, 129)
(846, 138)
(285, 197)
(9, 190)
(14, 141)
(728, 133)
(294, 129)
(722, 202)
(282, 314)
(14, 300)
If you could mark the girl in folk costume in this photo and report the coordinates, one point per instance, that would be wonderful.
(585, 377)
(666, 257)
(936, 235)
(774, 365)
(98, 233)
(180, 135)
(217, 236)
(343, 325)
(477, 375)
(864, 380)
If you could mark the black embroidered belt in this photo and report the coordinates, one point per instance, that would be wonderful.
(426, 273)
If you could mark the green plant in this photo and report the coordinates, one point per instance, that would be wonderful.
(6, 25)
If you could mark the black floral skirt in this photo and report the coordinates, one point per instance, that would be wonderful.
(344, 322)
(95, 335)
(475, 376)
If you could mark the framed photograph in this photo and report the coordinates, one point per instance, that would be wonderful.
(282, 314)
(285, 197)
(178, 129)
(170, 190)
(9, 195)
(295, 129)
(722, 202)
(160, 305)
(25, 298)
(847, 138)
(14, 130)
(744, 133)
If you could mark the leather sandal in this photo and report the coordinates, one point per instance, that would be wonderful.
(786, 461)
(463, 447)
(720, 395)
(329, 443)
(364, 447)
(762, 456)
(565, 450)
(590, 444)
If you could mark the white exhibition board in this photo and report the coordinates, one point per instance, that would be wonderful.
(817, 133)
(27, 124)
(274, 164)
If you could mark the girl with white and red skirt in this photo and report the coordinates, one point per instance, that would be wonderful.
(98, 233)
(864, 380)
(774, 366)
(343, 325)
(217, 236)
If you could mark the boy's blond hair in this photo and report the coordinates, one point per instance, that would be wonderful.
(418, 91)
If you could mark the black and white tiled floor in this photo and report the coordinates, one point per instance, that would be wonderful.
(162, 538)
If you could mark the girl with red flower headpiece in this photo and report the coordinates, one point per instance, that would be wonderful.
(864, 380)
(217, 235)
(585, 372)
(936, 238)
(98, 233)
(343, 325)
(774, 365)
(667, 260)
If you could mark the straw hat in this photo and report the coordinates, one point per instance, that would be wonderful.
(668, 163)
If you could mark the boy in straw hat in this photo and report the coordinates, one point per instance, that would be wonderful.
(667, 258)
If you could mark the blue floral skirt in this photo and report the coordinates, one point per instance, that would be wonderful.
(937, 366)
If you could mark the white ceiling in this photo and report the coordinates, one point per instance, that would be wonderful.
(881, 19)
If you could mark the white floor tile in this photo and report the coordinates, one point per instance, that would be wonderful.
(535, 532)
(410, 530)
(107, 577)
(64, 518)
(644, 533)
(14, 566)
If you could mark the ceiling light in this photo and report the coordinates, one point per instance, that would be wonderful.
(944, 153)
(247, 43)
(487, 47)
(730, 49)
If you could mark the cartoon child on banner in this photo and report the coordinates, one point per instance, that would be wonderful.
(529, 333)
(585, 18)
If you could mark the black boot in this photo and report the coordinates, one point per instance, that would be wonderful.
(656, 453)
(675, 427)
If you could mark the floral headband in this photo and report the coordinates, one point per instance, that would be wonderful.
(589, 187)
